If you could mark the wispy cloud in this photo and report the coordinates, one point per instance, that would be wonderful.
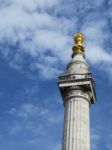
(34, 33)
(42, 31)
(28, 117)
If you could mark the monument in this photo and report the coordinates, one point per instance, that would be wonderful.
(77, 88)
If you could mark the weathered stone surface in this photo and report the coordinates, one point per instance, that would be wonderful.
(78, 92)
(76, 134)
(78, 65)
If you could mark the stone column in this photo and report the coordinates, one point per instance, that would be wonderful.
(77, 88)
(76, 134)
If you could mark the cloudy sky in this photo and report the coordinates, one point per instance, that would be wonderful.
(35, 47)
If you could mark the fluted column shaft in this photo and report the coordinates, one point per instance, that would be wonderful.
(76, 134)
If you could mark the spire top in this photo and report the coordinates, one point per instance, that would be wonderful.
(78, 48)
(79, 38)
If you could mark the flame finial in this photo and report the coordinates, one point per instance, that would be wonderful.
(79, 38)
(78, 47)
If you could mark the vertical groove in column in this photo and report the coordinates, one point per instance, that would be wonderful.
(70, 124)
(67, 124)
(80, 123)
(65, 127)
(77, 109)
(79, 141)
(76, 123)
(73, 122)
(84, 126)
(68, 127)
(88, 128)
(81, 127)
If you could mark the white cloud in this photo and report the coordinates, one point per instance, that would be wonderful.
(27, 110)
(38, 32)
(15, 130)
(97, 55)
(32, 5)
(36, 121)
(47, 71)
(30, 111)
(96, 51)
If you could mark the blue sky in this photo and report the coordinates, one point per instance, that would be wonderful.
(35, 47)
